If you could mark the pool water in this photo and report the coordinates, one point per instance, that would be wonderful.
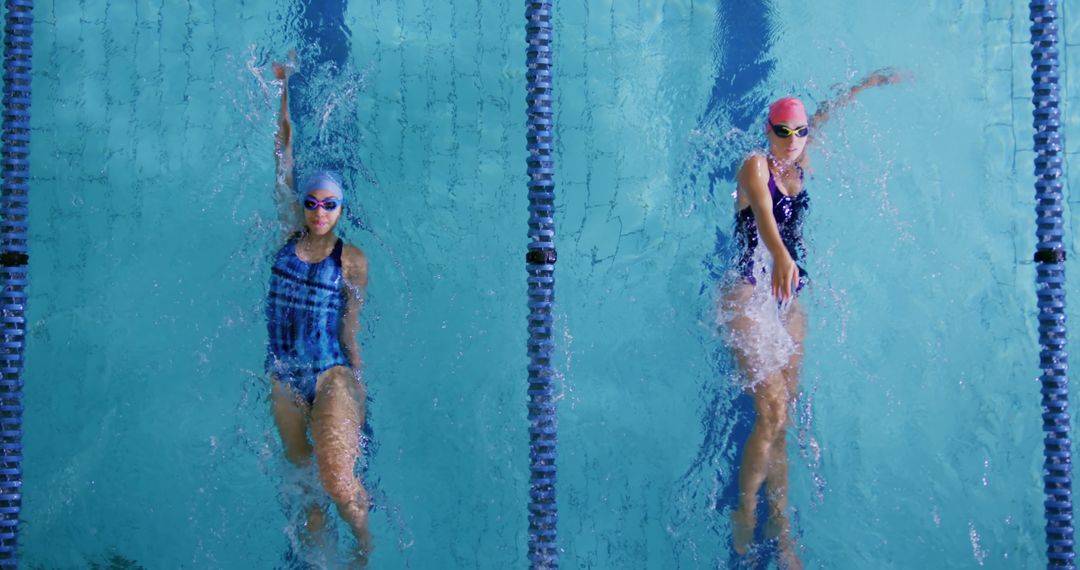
(917, 436)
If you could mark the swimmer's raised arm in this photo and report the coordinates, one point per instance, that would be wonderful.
(354, 268)
(883, 76)
(754, 182)
(284, 193)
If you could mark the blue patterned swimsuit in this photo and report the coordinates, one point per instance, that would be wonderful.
(788, 211)
(303, 318)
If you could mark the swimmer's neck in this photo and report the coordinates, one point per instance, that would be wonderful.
(317, 242)
(779, 164)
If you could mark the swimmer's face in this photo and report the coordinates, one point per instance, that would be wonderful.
(319, 221)
(790, 147)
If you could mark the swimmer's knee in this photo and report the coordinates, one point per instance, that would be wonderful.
(341, 486)
(772, 420)
(771, 430)
(338, 492)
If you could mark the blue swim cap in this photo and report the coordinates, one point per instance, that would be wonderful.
(323, 180)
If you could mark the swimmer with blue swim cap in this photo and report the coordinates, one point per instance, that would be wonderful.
(324, 180)
(759, 305)
(317, 287)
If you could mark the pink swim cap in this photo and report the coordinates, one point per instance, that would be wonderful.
(787, 110)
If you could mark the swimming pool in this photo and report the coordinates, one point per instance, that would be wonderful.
(147, 433)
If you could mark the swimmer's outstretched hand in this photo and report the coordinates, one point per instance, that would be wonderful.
(878, 78)
(785, 278)
(885, 76)
(282, 71)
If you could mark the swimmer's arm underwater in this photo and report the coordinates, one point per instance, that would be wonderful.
(883, 76)
(289, 210)
(754, 182)
(355, 270)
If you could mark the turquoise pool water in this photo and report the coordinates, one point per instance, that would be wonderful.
(917, 440)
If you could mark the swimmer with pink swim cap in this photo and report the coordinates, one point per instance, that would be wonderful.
(770, 209)
(786, 110)
(788, 121)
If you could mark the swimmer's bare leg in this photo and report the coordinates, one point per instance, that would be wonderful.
(290, 415)
(778, 526)
(762, 449)
(766, 443)
(336, 420)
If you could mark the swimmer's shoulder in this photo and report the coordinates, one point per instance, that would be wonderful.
(754, 165)
(354, 263)
(754, 168)
(755, 157)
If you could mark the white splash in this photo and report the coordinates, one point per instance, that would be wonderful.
(756, 325)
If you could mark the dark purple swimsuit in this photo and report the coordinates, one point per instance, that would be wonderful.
(788, 211)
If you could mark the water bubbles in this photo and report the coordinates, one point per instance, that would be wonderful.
(976, 549)
(561, 372)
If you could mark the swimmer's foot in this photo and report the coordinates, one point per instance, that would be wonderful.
(778, 528)
(363, 552)
(314, 534)
(786, 557)
(284, 70)
(364, 544)
(742, 530)
(292, 63)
